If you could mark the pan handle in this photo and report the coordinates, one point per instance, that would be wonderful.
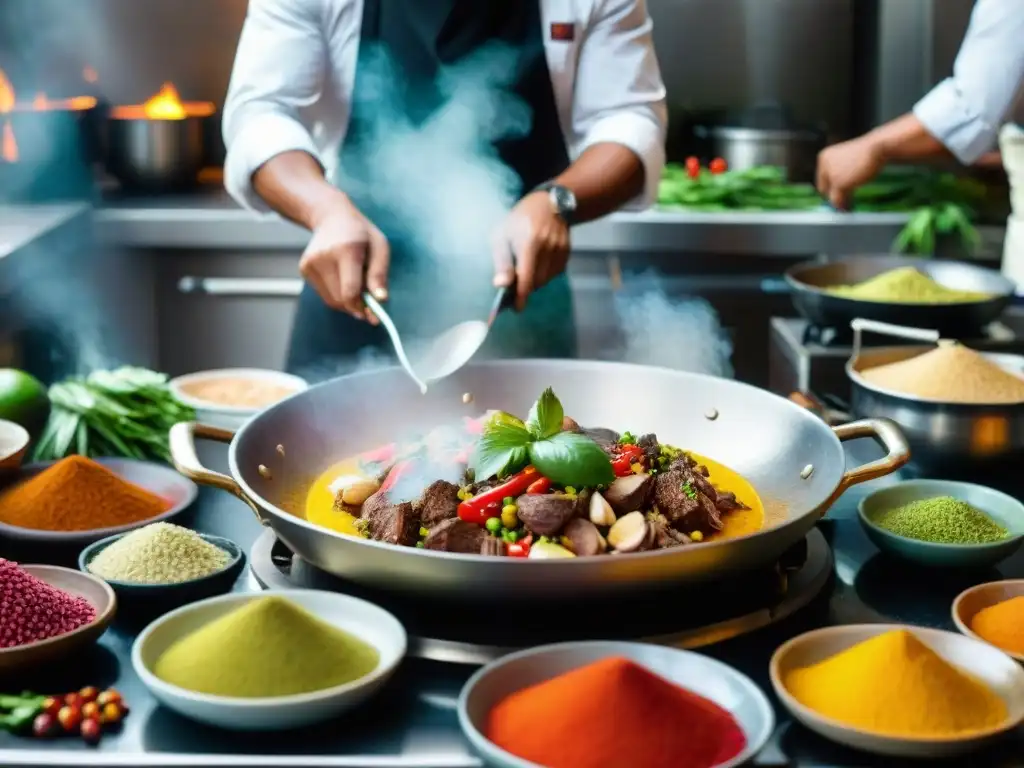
(182, 439)
(889, 435)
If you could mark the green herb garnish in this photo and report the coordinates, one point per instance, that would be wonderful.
(566, 458)
(688, 490)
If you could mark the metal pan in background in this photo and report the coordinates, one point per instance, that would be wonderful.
(808, 282)
(945, 438)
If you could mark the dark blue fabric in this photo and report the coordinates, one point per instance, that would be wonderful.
(419, 39)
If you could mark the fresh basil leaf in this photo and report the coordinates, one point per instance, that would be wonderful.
(546, 416)
(569, 458)
(500, 449)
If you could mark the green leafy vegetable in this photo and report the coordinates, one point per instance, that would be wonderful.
(569, 458)
(126, 412)
(546, 416)
(565, 458)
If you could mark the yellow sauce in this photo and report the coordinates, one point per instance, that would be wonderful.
(740, 522)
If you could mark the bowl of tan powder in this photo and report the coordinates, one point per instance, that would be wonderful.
(959, 408)
(163, 564)
(229, 397)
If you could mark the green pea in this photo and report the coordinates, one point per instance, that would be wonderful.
(493, 524)
(507, 500)
(513, 537)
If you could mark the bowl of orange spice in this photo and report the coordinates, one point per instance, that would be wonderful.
(78, 500)
(993, 613)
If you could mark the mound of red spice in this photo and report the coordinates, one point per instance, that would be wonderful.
(77, 494)
(32, 610)
(614, 713)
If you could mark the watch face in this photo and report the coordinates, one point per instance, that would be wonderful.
(565, 200)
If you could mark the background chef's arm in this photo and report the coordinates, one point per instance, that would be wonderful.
(619, 113)
(272, 161)
(962, 115)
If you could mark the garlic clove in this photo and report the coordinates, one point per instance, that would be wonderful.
(629, 532)
(601, 512)
(354, 490)
(548, 550)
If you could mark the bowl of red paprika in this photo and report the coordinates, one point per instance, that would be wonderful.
(586, 704)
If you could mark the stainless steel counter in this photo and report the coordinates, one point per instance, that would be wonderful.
(214, 221)
(21, 224)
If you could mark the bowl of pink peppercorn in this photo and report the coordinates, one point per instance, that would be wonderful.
(48, 612)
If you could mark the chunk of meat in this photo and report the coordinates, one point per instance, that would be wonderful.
(629, 493)
(727, 501)
(570, 425)
(546, 514)
(665, 536)
(392, 523)
(651, 448)
(683, 504)
(454, 535)
(584, 536)
(608, 439)
(438, 502)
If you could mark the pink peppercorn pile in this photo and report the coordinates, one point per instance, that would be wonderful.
(32, 610)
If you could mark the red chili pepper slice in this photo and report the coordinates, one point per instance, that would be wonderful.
(627, 456)
(520, 548)
(395, 474)
(380, 455)
(473, 510)
(693, 171)
(718, 165)
(692, 162)
(479, 515)
(539, 486)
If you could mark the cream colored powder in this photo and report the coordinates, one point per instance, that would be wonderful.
(160, 553)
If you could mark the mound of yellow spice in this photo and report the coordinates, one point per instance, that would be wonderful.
(905, 285)
(269, 647)
(894, 684)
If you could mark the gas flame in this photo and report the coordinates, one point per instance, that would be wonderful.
(8, 146)
(165, 105)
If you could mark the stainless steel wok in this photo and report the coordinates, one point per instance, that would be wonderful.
(768, 439)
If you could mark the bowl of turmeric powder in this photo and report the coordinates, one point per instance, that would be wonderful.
(993, 613)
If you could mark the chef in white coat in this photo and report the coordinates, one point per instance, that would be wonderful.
(964, 116)
(298, 124)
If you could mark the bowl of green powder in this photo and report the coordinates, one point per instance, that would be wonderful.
(269, 661)
(164, 564)
(943, 523)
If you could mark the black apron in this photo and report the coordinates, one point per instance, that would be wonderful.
(419, 39)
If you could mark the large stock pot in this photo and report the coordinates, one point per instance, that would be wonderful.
(794, 460)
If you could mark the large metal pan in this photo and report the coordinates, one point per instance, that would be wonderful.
(944, 437)
(768, 439)
(808, 283)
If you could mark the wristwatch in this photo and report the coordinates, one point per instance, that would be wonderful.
(563, 200)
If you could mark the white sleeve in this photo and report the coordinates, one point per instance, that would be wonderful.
(620, 97)
(278, 70)
(966, 111)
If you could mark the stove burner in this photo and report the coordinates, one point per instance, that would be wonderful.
(477, 632)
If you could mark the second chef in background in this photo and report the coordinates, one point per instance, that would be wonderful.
(302, 130)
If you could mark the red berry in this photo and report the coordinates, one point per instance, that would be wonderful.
(108, 696)
(91, 730)
(90, 709)
(112, 713)
(692, 162)
(70, 718)
(44, 725)
(718, 165)
(73, 700)
(52, 705)
(89, 693)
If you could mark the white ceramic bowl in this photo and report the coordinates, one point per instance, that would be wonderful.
(228, 416)
(985, 663)
(969, 602)
(711, 679)
(84, 585)
(14, 441)
(364, 620)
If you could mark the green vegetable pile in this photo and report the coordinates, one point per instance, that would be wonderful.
(126, 412)
(940, 203)
(566, 458)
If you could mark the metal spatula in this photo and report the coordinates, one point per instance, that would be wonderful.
(449, 350)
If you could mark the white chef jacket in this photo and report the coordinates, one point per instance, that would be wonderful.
(966, 111)
(294, 74)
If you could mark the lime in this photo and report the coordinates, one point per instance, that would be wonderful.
(23, 399)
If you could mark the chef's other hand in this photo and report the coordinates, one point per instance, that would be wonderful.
(531, 247)
(346, 256)
(844, 167)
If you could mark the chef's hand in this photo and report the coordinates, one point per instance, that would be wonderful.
(346, 256)
(531, 248)
(844, 167)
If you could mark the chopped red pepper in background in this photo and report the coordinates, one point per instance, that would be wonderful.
(395, 475)
(693, 171)
(380, 455)
(627, 456)
(475, 510)
(539, 486)
(718, 165)
(474, 426)
(692, 164)
(521, 548)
